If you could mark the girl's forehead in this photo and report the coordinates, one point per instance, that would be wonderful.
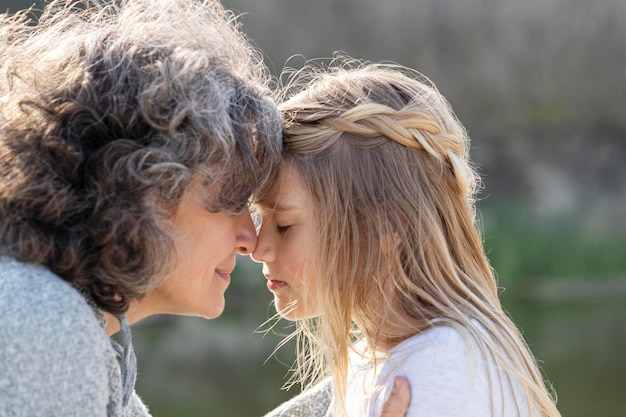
(289, 177)
(289, 193)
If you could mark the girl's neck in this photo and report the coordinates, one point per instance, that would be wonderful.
(393, 330)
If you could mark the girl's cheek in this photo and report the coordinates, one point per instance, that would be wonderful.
(297, 268)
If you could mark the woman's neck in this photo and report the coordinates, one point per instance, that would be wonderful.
(138, 310)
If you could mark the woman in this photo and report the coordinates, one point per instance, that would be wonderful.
(131, 138)
(369, 243)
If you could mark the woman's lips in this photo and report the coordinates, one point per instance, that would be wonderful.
(225, 275)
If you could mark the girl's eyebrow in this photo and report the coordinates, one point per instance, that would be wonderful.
(286, 207)
(278, 207)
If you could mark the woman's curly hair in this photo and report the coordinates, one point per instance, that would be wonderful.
(107, 111)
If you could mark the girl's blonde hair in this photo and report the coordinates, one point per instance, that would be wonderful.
(387, 164)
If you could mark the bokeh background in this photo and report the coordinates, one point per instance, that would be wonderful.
(541, 87)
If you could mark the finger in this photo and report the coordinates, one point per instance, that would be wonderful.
(398, 402)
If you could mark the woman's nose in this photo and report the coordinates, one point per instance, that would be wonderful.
(246, 234)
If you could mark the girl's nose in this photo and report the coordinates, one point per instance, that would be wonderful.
(263, 251)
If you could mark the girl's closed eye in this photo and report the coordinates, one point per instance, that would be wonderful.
(283, 229)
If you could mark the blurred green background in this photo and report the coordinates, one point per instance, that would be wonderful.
(541, 87)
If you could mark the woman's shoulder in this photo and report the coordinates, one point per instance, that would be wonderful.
(54, 354)
(32, 296)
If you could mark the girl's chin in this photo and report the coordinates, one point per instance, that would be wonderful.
(294, 313)
(288, 312)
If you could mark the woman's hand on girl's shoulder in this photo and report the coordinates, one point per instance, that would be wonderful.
(398, 402)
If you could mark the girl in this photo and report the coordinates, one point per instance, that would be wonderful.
(369, 242)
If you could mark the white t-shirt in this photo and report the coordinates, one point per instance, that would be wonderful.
(448, 377)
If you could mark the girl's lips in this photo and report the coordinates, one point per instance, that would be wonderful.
(274, 285)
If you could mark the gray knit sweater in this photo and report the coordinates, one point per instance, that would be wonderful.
(55, 357)
(57, 361)
(313, 402)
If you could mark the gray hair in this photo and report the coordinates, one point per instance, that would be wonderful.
(107, 111)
